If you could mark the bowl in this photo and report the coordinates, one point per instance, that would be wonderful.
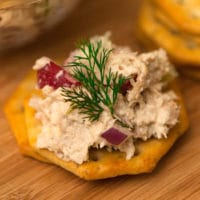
(21, 21)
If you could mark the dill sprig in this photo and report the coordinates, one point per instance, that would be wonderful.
(98, 88)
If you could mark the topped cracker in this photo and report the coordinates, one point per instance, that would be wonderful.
(138, 116)
(104, 164)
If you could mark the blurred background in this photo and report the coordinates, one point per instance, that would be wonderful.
(36, 28)
(22, 21)
(49, 27)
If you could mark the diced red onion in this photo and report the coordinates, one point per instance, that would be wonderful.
(125, 87)
(114, 136)
(55, 76)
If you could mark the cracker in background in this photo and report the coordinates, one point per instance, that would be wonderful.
(185, 14)
(172, 27)
(184, 51)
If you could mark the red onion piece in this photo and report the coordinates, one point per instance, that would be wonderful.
(55, 76)
(114, 136)
(125, 87)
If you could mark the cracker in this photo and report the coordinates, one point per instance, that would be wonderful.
(103, 164)
(148, 44)
(184, 13)
(184, 51)
(169, 24)
(14, 111)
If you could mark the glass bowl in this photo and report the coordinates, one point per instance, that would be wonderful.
(23, 20)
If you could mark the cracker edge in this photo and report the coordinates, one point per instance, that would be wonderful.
(14, 112)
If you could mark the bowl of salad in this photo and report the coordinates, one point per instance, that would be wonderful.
(21, 21)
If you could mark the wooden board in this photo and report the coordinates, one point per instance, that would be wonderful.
(176, 177)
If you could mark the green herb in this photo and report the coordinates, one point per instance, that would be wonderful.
(98, 89)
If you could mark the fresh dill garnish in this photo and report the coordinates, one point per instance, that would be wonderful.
(99, 89)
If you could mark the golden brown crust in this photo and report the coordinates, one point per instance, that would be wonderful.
(188, 47)
(14, 111)
(178, 12)
(104, 164)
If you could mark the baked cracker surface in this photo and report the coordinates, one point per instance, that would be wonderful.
(14, 111)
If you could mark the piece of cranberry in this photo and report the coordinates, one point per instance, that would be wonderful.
(55, 76)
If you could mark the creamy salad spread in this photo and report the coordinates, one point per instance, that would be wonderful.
(144, 106)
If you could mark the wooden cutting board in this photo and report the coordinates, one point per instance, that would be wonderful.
(21, 178)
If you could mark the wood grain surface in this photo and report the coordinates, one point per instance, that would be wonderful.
(21, 178)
